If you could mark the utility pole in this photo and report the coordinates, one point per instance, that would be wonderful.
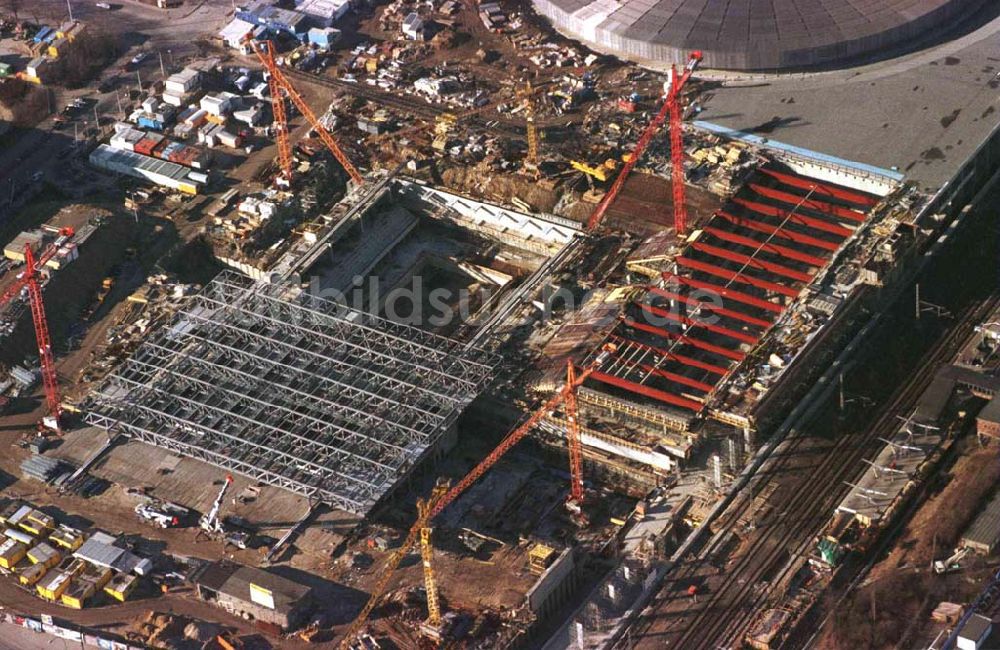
(121, 110)
(97, 121)
(139, 77)
(916, 305)
(69, 8)
(163, 70)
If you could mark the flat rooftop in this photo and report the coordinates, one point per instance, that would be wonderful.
(292, 390)
(924, 113)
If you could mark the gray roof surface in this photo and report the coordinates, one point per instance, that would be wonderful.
(985, 529)
(925, 112)
(752, 34)
(991, 412)
(234, 580)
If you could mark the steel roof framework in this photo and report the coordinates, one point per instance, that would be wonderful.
(293, 390)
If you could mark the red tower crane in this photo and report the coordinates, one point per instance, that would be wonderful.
(671, 106)
(439, 501)
(29, 279)
(278, 79)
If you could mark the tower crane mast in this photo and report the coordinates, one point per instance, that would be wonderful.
(280, 117)
(267, 60)
(439, 503)
(29, 279)
(671, 107)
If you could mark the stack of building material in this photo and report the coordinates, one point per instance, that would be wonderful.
(15, 250)
(42, 468)
(24, 377)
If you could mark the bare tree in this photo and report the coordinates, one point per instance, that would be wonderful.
(11, 7)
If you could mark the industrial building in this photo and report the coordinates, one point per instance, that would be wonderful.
(129, 163)
(294, 391)
(251, 592)
(747, 35)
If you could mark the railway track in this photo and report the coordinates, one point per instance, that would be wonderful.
(776, 550)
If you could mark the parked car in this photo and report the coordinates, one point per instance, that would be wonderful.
(103, 5)
(139, 58)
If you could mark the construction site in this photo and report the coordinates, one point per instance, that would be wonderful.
(401, 326)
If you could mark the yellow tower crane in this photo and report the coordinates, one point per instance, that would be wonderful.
(432, 626)
(527, 95)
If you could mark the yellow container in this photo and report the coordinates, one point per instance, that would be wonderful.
(122, 586)
(11, 552)
(32, 574)
(77, 594)
(67, 538)
(42, 553)
(54, 584)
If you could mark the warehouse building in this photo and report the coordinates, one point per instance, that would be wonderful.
(984, 533)
(253, 593)
(129, 163)
(988, 420)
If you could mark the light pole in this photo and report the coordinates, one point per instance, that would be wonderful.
(69, 8)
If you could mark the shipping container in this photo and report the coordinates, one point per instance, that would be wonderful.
(12, 552)
(42, 33)
(42, 553)
(148, 122)
(122, 586)
(31, 574)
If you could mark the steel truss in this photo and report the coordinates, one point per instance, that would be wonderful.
(293, 390)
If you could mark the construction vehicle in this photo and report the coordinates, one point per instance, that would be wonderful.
(952, 562)
(440, 502)
(213, 525)
(600, 172)
(29, 281)
(672, 106)
(280, 88)
(431, 627)
(162, 513)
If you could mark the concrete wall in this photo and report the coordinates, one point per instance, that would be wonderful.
(554, 586)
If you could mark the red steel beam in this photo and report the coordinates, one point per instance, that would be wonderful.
(674, 377)
(680, 379)
(783, 233)
(733, 276)
(775, 249)
(683, 338)
(721, 311)
(779, 213)
(659, 395)
(726, 292)
(752, 262)
(718, 329)
(819, 187)
(673, 356)
(809, 204)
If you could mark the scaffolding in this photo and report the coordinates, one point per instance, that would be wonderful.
(293, 390)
